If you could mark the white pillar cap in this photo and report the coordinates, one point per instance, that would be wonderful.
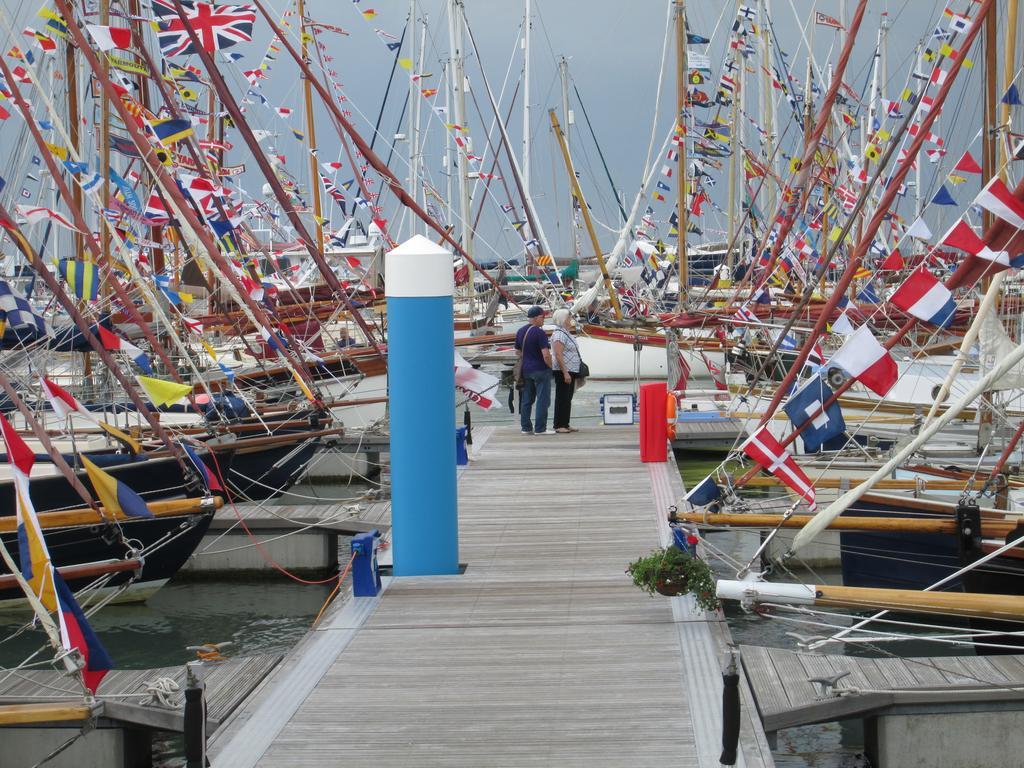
(419, 267)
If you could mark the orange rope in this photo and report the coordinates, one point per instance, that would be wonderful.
(259, 546)
(330, 597)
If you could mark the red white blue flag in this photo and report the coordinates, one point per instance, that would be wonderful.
(863, 358)
(924, 297)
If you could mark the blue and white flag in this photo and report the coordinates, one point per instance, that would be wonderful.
(805, 406)
(705, 492)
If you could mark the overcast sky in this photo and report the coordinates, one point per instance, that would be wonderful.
(614, 50)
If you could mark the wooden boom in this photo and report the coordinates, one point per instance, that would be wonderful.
(86, 516)
(968, 604)
(990, 528)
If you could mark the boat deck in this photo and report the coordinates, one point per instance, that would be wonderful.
(786, 697)
(541, 653)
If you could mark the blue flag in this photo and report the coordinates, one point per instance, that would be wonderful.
(868, 295)
(1012, 96)
(942, 197)
(805, 405)
(704, 492)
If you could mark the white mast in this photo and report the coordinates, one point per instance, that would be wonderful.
(456, 22)
(412, 115)
(527, 23)
(563, 71)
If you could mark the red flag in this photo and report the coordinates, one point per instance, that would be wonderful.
(763, 448)
(827, 21)
(867, 361)
(684, 372)
(893, 262)
(967, 164)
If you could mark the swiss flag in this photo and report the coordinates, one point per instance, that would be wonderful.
(867, 361)
(763, 448)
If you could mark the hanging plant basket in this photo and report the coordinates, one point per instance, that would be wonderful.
(671, 571)
(670, 588)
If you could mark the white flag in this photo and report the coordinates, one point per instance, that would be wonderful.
(919, 230)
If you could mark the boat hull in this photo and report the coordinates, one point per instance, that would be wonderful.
(167, 541)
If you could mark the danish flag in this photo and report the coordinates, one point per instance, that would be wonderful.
(763, 448)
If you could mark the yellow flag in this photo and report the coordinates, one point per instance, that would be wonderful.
(163, 392)
(832, 236)
(58, 151)
(405, 63)
(127, 440)
(302, 385)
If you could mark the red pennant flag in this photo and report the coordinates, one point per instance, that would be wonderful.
(967, 164)
(893, 262)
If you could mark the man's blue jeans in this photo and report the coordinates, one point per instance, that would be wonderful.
(536, 387)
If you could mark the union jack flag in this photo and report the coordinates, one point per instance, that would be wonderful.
(632, 305)
(217, 27)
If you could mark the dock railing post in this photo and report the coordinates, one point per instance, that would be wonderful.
(420, 284)
(195, 716)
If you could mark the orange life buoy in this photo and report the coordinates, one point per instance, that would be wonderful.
(670, 415)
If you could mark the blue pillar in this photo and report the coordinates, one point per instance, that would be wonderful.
(419, 284)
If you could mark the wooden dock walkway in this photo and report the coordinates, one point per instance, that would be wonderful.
(124, 696)
(541, 653)
(786, 697)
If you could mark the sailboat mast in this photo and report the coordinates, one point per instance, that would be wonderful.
(1009, 70)
(768, 98)
(734, 164)
(411, 134)
(563, 72)
(459, 96)
(527, 23)
(74, 125)
(307, 96)
(585, 212)
(416, 188)
(988, 140)
(681, 85)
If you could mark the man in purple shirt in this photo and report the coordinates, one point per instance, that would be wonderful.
(533, 346)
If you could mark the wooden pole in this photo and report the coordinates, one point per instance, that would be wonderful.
(992, 528)
(585, 212)
(87, 516)
(1009, 70)
(988, 135)
(682, 74)
(314, 169)
(970, 605)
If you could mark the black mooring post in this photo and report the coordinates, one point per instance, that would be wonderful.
(195, 718)
(730, 712)
(467, 420)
